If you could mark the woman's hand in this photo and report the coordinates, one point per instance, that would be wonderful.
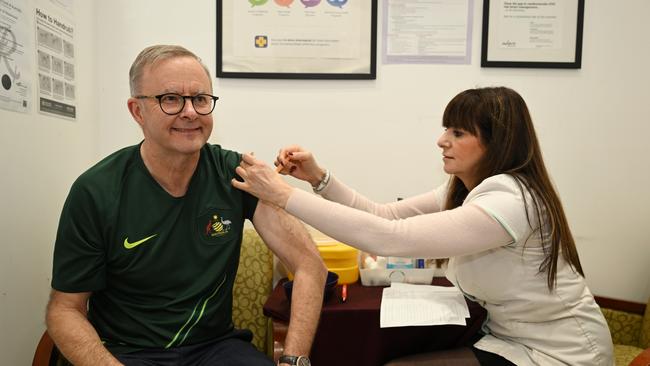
(300, 164)
(261, 181)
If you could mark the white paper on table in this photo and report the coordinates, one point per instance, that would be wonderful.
(412, 305)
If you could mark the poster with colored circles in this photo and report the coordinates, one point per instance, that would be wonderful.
(306, 3)
(297, 38)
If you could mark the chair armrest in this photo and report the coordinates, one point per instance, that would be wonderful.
(643, 359)
(43, 351)
(280, 329)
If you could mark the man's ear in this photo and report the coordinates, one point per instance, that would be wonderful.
(136, 110)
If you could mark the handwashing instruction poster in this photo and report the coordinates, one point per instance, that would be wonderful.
(56, 63)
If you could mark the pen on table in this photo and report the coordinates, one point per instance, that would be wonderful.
(344, 293)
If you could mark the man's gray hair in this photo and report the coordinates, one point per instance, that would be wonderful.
(154, 54)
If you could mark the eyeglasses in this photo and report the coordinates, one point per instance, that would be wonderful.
(172, 103)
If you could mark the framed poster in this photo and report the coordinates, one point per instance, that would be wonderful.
(297, 39)
(532, 33)
(427, 31)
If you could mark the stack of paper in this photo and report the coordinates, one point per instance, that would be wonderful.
(408, 305)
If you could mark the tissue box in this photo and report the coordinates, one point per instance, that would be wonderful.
(385, 276)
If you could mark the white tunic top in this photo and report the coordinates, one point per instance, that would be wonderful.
(527, 324)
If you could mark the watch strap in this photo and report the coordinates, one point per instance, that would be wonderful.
(323, 183)
(294, 360)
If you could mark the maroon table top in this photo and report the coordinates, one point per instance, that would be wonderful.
(349, 333)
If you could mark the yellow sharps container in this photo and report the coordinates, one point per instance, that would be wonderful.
(339, 258)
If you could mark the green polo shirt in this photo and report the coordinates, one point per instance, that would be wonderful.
(160, 268)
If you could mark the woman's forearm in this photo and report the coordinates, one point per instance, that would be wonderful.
(425, 203)
(461, 231)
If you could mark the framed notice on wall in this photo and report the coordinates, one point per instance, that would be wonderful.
(532, 33)
(297, 39)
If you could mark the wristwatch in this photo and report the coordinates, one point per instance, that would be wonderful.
(295, 360)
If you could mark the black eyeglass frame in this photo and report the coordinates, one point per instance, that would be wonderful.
(184, 97)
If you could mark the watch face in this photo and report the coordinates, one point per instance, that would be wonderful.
(303, 361)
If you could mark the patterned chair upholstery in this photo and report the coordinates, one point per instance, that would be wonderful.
(630, 333)
(253, 285)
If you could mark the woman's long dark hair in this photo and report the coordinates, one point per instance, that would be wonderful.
(501, 118)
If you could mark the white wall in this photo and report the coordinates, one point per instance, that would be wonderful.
(40, 158)
(378, 136)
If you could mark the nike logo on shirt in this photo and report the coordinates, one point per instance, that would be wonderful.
(128, 245)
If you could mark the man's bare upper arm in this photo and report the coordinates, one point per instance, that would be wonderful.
(284, 234)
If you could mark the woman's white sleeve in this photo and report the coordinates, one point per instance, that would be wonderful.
(464, 230)
(417, 205)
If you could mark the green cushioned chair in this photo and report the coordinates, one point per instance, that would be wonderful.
(630, 333)
(253, 284)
